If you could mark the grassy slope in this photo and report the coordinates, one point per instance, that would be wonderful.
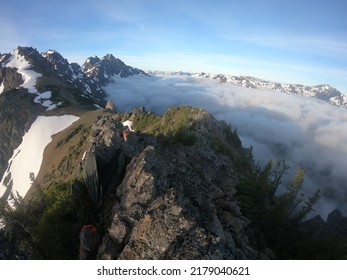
(61, 156)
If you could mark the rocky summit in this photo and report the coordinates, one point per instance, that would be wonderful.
(174, 199)
(177, 201)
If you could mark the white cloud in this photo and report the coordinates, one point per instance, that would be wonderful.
(304, 131)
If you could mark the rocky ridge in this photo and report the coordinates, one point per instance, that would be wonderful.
(171, 199)
(165, 191)
(176, 201)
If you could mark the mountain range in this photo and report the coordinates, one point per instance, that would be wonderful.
(155, 186)
(49, 71)
(323, 92)
(38, 72)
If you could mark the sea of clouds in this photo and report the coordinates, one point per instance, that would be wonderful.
(304, 131)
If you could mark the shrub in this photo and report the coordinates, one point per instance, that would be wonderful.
(277, 217)
(48, 224)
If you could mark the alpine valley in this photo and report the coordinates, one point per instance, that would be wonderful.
(166, 165)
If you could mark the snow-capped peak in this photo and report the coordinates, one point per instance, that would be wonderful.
(101, 70)
(24, 68)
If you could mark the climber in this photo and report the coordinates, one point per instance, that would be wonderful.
(128, 124)
(82, 161)
(88, 242)
(125, 133)
(127, 128)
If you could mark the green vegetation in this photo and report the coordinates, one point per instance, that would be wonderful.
(68, 165)
(43, 226)
(70, 135)
(228, 143)
(278, 217)
(46, 227)
(175, 126)
(148, 122)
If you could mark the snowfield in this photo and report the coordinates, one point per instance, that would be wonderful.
(28, 156)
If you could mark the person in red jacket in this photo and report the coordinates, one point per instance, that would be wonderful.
(88, 243)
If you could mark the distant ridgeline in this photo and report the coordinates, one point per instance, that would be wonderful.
(323, 92)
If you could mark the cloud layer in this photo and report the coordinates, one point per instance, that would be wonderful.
(304, 131)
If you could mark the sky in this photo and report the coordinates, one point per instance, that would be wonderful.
(297, 41)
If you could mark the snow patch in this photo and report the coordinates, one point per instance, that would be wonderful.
(28, 156)
(29, 76)
(53, 106)
(87, 88)
(97, 106)
(74, 76)
(44, 99)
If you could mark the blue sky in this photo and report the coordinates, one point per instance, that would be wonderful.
(297, 41)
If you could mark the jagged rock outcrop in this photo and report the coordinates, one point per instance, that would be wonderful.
(334, 226)
(72, 73)
(110, 106)
(104, 160)
(173, 200)
(10, 78)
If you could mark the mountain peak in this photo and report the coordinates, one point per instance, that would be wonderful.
(109, 57)
(103, 70)
(54, 57)
(25, 50)
(47, 76)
